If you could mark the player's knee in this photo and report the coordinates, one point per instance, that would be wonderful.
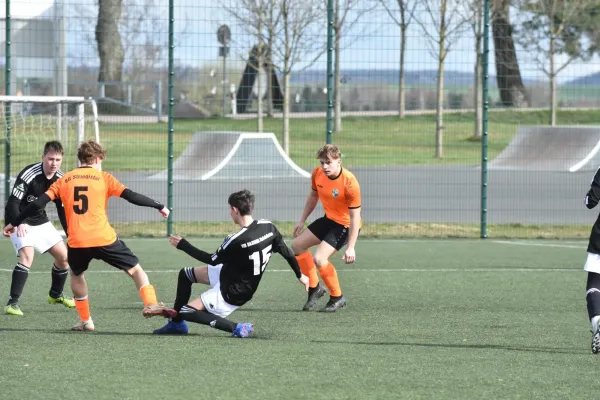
(26, 259)
(320, 261)
(297, 248)
(61, 262)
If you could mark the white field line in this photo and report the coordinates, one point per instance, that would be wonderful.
(436, 270)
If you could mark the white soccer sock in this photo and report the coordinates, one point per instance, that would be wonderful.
(595, 321)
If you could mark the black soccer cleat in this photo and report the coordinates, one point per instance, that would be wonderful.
(314, 294)
(596, 342)
(334, 304)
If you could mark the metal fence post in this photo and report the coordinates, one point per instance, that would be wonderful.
(330, 33)
(170, 123)
(484, 133)
(7, 70)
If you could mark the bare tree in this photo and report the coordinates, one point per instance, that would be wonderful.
(544, 33)
(296, 46)
(258, 18)
(405, 11)
(472, 13)
(447, 25)
(508, 72)
(110, 46)
(345, 17)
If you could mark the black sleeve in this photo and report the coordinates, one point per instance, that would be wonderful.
(282, 248)
(60, 210)
(140, 200)
(31, 209)
(12, 208)
(194, 252)
(593, 195)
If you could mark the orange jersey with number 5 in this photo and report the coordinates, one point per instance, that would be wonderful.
(337, 195)
(84, 193)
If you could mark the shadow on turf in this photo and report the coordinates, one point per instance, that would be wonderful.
(552, 350)
(208, 334)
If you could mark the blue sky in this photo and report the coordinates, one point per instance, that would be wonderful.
(373, 44)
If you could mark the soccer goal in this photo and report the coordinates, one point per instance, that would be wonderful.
(34, 120)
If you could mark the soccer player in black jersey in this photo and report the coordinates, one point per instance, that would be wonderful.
(37, 232)
(592, 265)
(233, 272)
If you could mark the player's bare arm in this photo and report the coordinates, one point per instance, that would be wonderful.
(139, 199)
(311, 202)
(30, 210)
(350, 255)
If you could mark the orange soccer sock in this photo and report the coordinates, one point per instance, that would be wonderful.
(308, 268)
(148, 295)
(83, 308)
(329, 275)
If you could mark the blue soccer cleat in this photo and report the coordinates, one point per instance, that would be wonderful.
(173, 328)
(243, 330)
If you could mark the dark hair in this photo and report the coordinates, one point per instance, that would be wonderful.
(243, 201)
(89, 150)
(53, 146)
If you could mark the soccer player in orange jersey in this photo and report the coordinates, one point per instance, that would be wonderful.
(339, 192)
(84, 193)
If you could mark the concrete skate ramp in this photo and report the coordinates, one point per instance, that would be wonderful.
(233, 155)
(546, 148)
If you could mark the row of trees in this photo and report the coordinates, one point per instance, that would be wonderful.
(284, 31)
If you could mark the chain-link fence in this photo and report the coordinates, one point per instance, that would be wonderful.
(452, 130)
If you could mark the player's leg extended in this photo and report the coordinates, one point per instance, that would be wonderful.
(592, 297)
(143, 285)
(329, 274)
(300, 246)
(196, 312)
(80, 292)
(60, 271)
(79, 259)
(19, 278)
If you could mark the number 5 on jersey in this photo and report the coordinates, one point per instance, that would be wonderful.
(80, 196)
(261, 259)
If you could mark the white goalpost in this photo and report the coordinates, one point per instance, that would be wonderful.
(35, 120)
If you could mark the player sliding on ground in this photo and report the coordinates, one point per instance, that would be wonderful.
(84, 193)
(233, 272)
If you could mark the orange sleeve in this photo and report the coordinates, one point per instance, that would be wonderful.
(313, 178)
(353, 193)
(54, 190)
(113, 186)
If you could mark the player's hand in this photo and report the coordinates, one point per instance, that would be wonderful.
(165, 212)
(174, 240)
(304, 280)
(298, 229)
(8, 230)
(349, 256)
(22, 230)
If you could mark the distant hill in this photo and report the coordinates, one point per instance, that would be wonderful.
(588, 80)
(386, 76)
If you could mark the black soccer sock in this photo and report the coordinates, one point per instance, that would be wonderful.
(592, 294)
(59, 277)
(184, 289)
(19, 277)
(203, 317)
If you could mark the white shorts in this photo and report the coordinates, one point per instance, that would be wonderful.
(592, 264)
(41, 237)
(213, 299)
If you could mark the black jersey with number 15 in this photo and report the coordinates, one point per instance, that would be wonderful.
(245, 255)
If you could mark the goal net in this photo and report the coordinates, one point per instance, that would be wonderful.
(31, 121)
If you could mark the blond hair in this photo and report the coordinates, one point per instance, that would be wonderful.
(90, 150)
(329, 151)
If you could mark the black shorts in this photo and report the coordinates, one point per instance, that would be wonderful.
(330, 232)
(117, 255)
